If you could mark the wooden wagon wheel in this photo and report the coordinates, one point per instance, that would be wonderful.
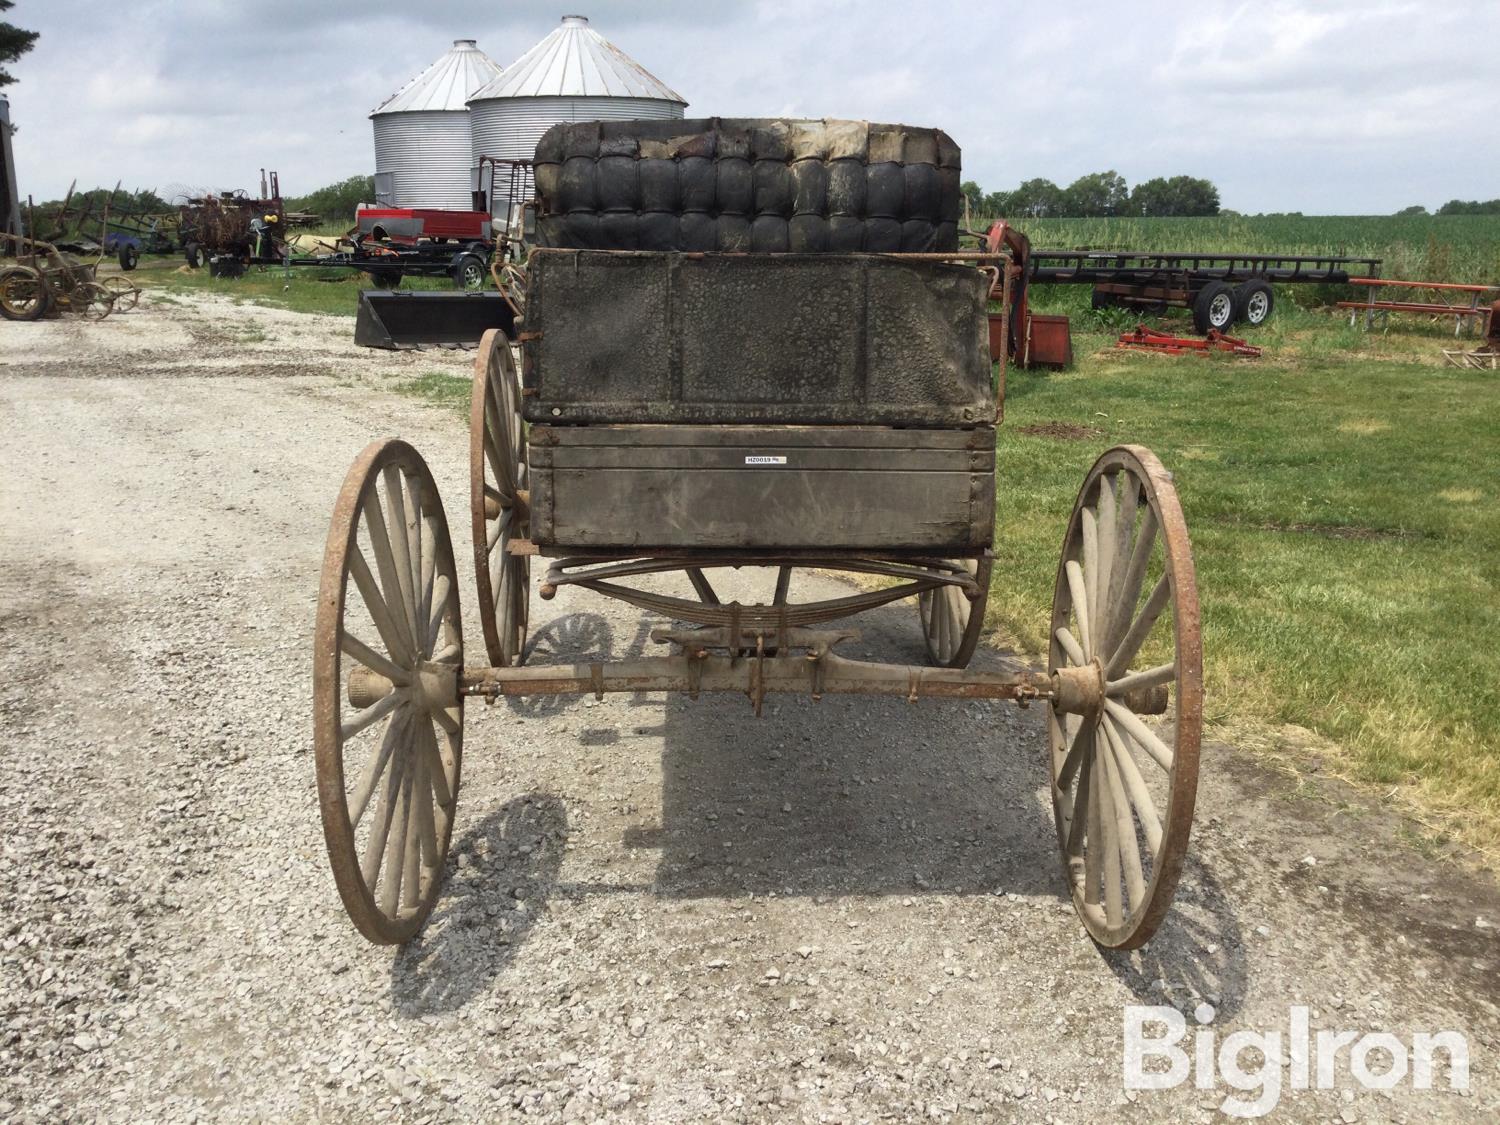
(951, 623)
(126, 295)
(1125, 638)
(399, 740)
(498, 498)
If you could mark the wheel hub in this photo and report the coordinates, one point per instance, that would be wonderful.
(435, 686)
(1079, 690)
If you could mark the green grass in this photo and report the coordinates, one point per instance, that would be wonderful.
(442, 389)
(1461, 248)
(327, 291)
(1342, 499)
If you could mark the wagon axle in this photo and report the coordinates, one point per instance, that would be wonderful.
(749, 667)
(390, 681)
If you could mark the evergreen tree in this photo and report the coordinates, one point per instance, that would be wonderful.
(13, 43)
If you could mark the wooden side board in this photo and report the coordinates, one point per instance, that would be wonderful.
(841, 339)
(762, 487)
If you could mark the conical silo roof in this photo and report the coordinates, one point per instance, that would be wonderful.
(446, 84)
(575, 61)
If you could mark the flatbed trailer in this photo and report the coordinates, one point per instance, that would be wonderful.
(467, 263)
(1220, 289)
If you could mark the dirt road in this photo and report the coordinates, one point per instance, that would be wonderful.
(658, 910)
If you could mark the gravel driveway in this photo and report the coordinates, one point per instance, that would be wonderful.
(658, 910)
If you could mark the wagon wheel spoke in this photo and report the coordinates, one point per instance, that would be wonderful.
(437, 771)
(1070, 645)
(400, 543)
(1135, 573)
(422, 561)
(391, 593)
(385, 812)
(442, 591)
(1077, 829)
(1140, 628)
(378, 689)
(951, 622)
(1135, 785)
(1125, 746)
(1129, 857)
(371, 659)
(375, 771)
(498, 482)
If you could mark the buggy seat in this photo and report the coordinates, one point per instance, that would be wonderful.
(758, 186)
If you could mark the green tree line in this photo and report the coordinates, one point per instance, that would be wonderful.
(1455, 207)
(336, 202)
(333, 204)
(1096, 195)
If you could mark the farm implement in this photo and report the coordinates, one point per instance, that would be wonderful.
(1141, 338)
(44, 279)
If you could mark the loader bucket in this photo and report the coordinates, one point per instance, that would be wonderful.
(392, 319)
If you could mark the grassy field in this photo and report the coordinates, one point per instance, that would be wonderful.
(1342, 499)
(331, 291)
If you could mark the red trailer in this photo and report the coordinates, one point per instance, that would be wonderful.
(409, 225)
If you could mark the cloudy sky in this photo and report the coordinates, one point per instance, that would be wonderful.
(1356, 107)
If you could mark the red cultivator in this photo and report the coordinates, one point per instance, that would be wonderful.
(1146, 339)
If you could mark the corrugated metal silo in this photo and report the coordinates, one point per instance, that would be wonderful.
(574, 74)
(422, 132)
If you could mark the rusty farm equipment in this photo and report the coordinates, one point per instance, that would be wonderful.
(1144, 339)
(43, 279)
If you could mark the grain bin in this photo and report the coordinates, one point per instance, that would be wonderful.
(574, 74)
(422, 132)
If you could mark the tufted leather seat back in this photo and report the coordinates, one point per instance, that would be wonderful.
(747, 185)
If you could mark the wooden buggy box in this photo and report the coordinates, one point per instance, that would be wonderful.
(739, 401)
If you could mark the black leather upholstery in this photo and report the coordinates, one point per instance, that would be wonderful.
(756, 185)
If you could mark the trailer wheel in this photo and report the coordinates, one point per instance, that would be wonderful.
(468, 271)
(1214, 307)
(129, 255)
(1099, 300)
(385, 279)
(1253, 302)
(194, 254)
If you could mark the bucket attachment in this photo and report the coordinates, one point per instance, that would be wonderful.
(389, 319)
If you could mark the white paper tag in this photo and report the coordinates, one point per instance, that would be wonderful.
(764, 459)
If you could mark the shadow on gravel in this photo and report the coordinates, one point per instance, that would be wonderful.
(504, 870)
(573, 639)
(852, 795)
(1198, 954)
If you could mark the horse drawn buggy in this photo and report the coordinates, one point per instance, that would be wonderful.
(749, 344)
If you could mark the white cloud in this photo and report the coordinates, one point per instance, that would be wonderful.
(1326, 106)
